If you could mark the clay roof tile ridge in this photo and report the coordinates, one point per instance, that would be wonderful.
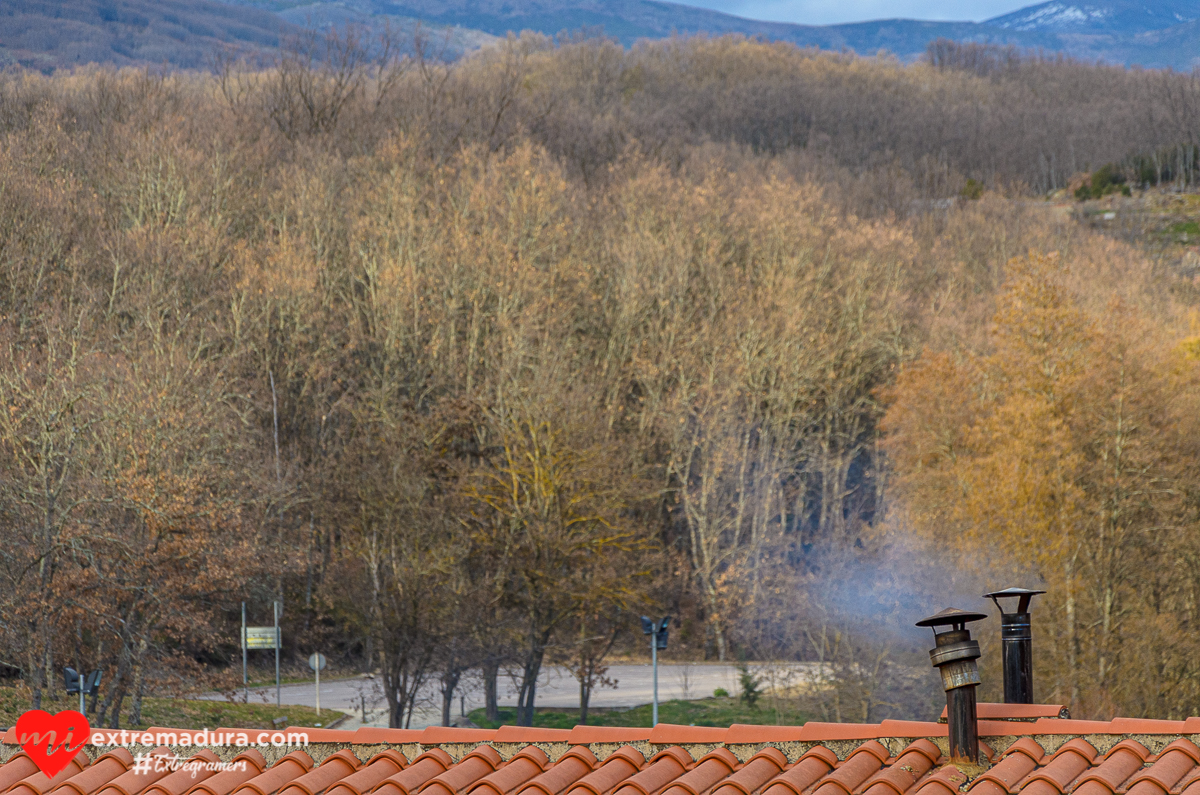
(616, 768)
(386, 763)
(135, 781)
(333, 769)
(573, 765)
(199, 767)
(762, 767)
(38, 782)
(106, 768)
(807, 772)
(1171, 766)
(286, 770)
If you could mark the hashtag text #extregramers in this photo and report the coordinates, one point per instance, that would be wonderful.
(145, 764)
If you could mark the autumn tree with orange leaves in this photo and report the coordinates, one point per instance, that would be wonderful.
(1062, 450)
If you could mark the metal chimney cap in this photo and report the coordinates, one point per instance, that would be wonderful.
(1012, 592)
(951, 616)
(1023, 595)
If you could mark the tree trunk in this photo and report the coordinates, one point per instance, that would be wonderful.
(1072, 641)
(139, 684)
(533, 667)
(449, 683)
(491, 673)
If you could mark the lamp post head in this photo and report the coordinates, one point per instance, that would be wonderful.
(660, 636)
(72, 680)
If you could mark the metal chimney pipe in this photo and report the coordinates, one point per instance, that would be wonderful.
(954, 655)
(1016, 632)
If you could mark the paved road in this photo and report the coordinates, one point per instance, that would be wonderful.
(557, 688)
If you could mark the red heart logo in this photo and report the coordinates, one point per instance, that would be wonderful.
(52, 740)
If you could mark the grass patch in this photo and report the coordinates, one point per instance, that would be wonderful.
(1186, 228)
(705, 712)
(177, 713)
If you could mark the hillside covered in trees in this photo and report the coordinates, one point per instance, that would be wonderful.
(469, 364)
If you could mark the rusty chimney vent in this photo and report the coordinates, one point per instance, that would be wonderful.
(1016, 630)
(954, 656)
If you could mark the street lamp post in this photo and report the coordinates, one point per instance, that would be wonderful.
(76, 682)
(657, 630)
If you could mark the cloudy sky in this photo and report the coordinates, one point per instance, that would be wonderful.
(828, 12)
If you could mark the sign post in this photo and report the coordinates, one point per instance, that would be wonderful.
(657, 630)
(262, 638)
(316, 661)
(245, 681)
(278, 699)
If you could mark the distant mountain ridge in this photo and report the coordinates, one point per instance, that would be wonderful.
(46, 34)
(1117, 16)
(1153, 33)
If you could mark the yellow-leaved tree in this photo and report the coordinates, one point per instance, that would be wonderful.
(1059, 453)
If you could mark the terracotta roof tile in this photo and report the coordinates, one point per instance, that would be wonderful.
(197, 769)
(1009, 728)
(18, 767)
(286, 770)
(576, 763)
(1017, 762)
(39, 782)
(711, 769)
(945, 781)
(526, 764)
(244, 767)
(134, 781)
(527, 734)
(1078, 746)
(445, 734)
(862, 763)
(912, 728)
(836, 759)
(1059, 726)
(1169, 768)
(743, 733)
(320, 735)
(762, 767)
(1064, 767)
(385, 763)
(1017, 712)
(671, 734)
(1142, 726)
(462, 776)
(664, 768)
(818, 732)
(371, 735)
(336, 767)
(1190, 784)
(423, 769)
(1121, 762)
(621, 765)
(583, 735)
(96, 775)
(807, 771)
(897, 779)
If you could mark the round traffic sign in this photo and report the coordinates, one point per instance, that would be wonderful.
(316, 661)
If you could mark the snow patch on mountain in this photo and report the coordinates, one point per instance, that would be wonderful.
(1054, 15)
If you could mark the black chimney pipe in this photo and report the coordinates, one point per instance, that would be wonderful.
(1016, 631)
(954, 656)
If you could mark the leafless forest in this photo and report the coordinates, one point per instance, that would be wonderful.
(469, 364)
